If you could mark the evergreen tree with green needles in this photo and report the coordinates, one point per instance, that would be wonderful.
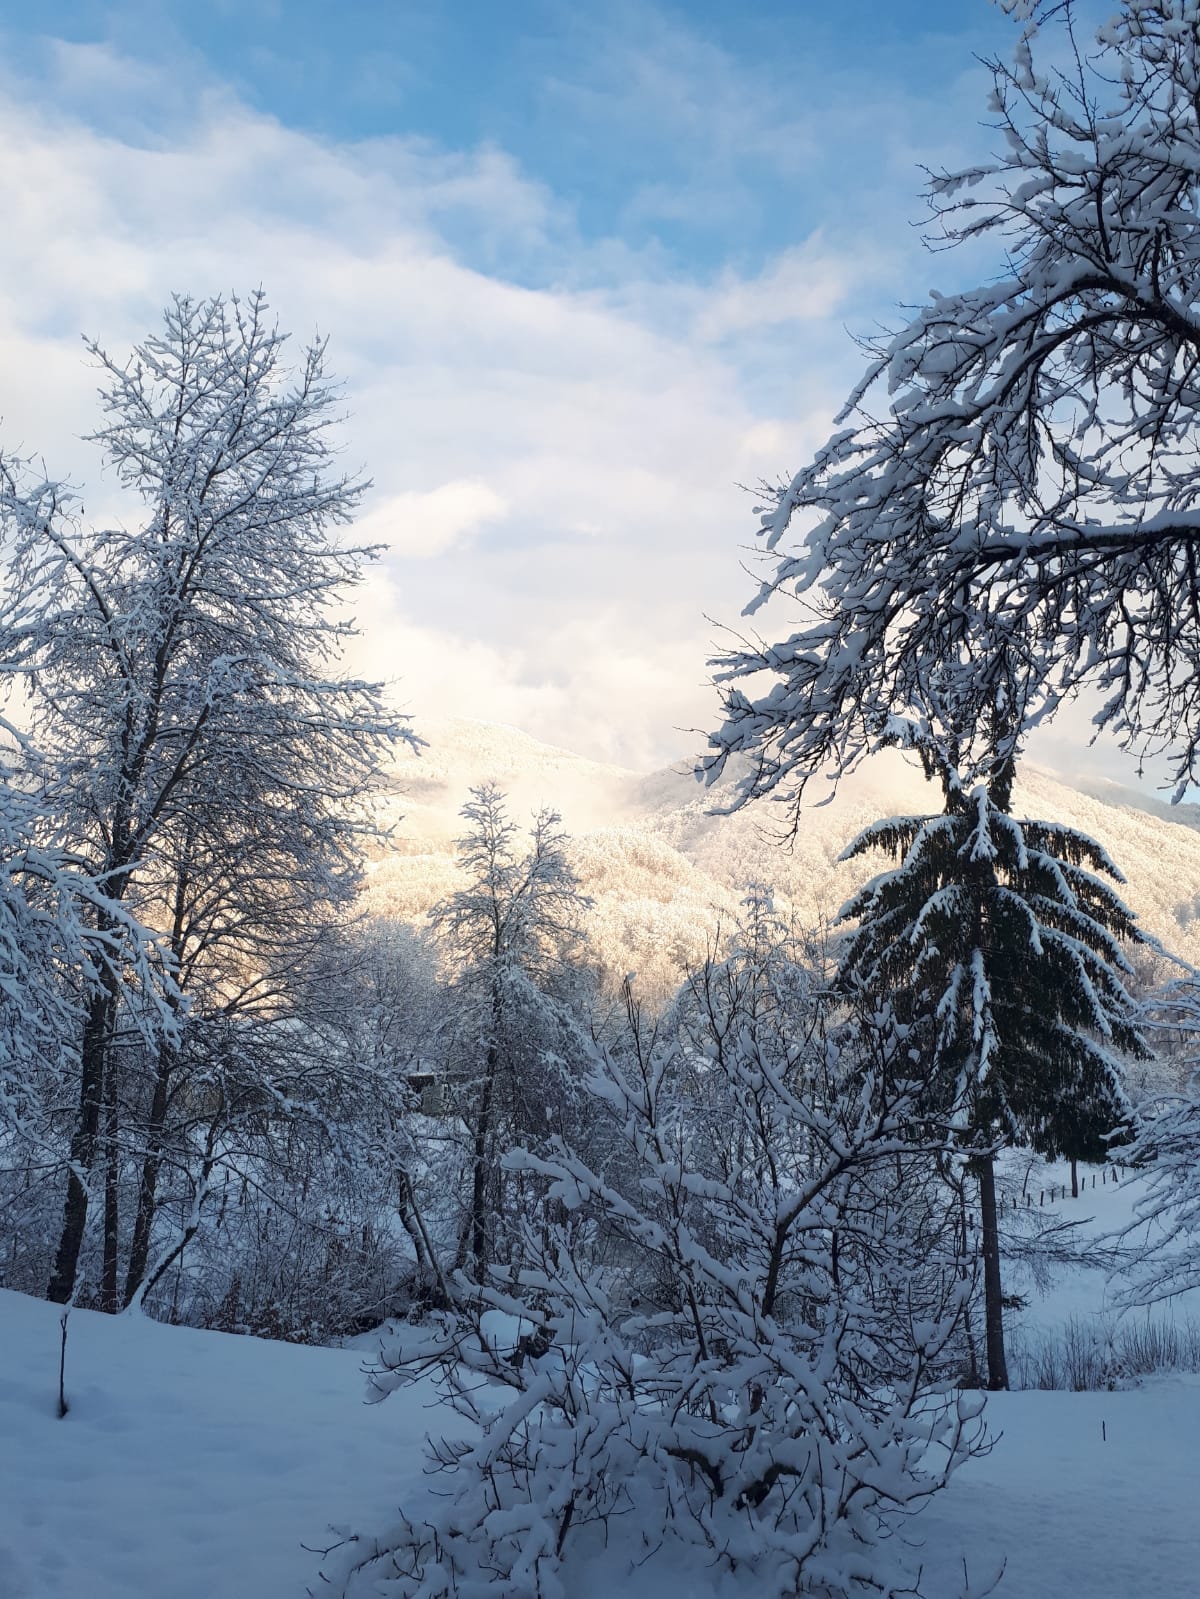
(998, 942)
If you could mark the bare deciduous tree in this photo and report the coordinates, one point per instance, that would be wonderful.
(201, 753)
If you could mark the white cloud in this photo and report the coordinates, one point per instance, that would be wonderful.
(555, 468)
(801, 285)
(424, 525)
(548, 684)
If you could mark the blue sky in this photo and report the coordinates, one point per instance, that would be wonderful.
(625, 112)
(583, 269)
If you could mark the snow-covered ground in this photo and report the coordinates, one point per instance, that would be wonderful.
(1092, 1496)
(1106, 1206)
(198, 1466)
(191, 1465)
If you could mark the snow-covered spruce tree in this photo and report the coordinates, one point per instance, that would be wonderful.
(511, 933)
(1000, 947)
(1020, 458)
(184, 668)
(722, 1339)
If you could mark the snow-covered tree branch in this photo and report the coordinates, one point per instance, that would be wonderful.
(1013, 489)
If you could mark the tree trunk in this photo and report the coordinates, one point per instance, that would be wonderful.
(143, 1225)
(112, 1191)
(168, 1059)
(992, 1297)
(482, 1166)
(408, 1220)
(84, 1141)
(973, 1379)
(191, 1226)
(1074, 1178)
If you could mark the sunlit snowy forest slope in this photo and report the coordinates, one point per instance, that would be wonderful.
(663, 870)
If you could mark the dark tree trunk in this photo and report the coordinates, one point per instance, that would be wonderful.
(482, 1166)
(973, 1378)
(84, 1141)
(409, 1221)
(992, 1294)
(143, 1225)
(1074, 1178)
(168, 1059)
(112, 1190)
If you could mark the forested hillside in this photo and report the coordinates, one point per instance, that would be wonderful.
(664, 868)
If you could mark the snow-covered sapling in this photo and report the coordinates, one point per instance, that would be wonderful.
(729, 1334)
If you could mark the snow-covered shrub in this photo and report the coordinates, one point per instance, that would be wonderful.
(729, 1331)
(276, 1264)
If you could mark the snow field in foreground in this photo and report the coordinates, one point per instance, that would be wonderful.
(192, 1465)
(1077, 1515)
(197, 1465)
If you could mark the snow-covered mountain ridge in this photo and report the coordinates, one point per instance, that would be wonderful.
(663, 869)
